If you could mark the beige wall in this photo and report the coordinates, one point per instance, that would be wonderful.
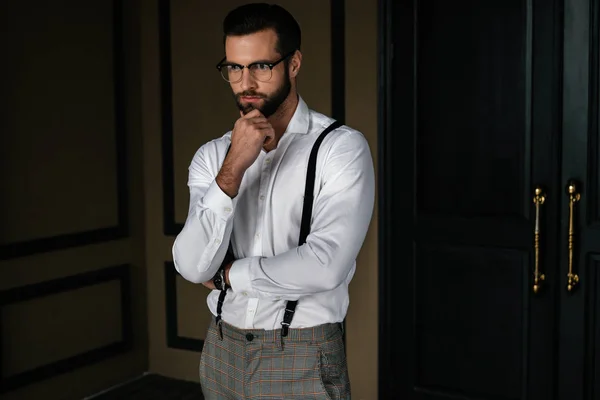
(361, 113)
(58, 172)
(58, 167)
(203, 109)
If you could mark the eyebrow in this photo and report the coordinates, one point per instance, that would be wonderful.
(262, 62)
(227, 62)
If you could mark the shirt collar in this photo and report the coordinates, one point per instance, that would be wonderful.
(300, 121)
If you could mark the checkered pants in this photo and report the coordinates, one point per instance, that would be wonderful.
(255, 364)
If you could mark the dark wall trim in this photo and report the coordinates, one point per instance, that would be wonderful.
(173, 339)
(119, 273)
(386, 184)
(338, 60)
(170, 227)
(43, 245)
(338, 98)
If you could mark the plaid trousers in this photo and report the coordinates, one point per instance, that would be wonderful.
(309, 363)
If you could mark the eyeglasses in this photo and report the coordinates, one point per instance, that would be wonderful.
(261, 71)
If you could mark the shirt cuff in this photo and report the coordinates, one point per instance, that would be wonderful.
(218, 201)
(239, 275)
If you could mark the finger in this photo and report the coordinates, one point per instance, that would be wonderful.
(268, 140)
(269, 134)
(270, 131)
(248, 121)
(261, 126)
(254, 113)
(256, 119)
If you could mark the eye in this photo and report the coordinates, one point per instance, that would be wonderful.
(261, 66)
(234, 68)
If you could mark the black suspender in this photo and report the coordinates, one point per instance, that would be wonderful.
(290, 307)
(310, 184)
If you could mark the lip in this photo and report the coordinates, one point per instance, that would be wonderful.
(251, 99)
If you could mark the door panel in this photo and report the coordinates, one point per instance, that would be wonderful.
(473, 106)
(579, 378)
(471, 125)
(470, 320)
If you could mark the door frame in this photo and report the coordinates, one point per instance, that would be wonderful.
(384, 177)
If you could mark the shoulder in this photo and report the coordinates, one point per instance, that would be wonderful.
(342, 138)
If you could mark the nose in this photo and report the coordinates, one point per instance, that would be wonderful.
(248, 82)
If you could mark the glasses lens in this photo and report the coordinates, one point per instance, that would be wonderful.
(231, 74)
(261, 72)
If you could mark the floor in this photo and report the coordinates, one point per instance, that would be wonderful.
(154, 387)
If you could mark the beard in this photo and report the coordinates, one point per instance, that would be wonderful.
(270, 103)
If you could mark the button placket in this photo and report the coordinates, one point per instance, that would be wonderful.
(251, 312)
(264, 182)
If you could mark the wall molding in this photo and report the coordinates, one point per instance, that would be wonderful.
(594, 107)
(338, 98)
(121, 230)
(174, 340)
(121, 273)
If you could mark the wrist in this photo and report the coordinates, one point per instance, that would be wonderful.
(232, 170)
(219, 280)
(226, 273)
(229, 181)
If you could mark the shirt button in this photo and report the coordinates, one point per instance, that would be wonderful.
(227, 209)
(217, 241)
(262, 197)
(268, 161)
(249, 337)
(258, 235)
(245, 293)
(251, 310)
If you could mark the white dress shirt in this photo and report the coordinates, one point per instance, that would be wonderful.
(263, 224)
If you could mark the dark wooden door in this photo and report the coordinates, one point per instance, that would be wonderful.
(578, 369)
(483, 103)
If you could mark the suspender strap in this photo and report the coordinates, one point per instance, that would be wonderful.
(310, 184)
(228, 258)
(290, 307)
(219, 311)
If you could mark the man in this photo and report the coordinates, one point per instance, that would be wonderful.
(279, 264)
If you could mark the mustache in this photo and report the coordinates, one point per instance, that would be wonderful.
(250, 93)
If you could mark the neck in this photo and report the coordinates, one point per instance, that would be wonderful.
(282, 117)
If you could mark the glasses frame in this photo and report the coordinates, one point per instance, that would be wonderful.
(271, 65)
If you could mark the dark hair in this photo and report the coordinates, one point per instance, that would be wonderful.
(256, 17)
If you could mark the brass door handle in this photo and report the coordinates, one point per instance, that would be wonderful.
(574, 197)
(538, 200)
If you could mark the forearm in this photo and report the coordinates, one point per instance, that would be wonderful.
(322, 264)
(229, 179)
(255, 277)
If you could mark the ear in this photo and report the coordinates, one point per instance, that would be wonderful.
(295, 64)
